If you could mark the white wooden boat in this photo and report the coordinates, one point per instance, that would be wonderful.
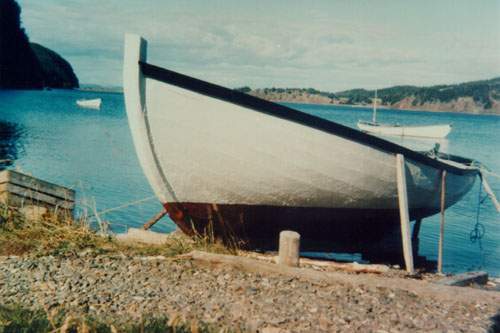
(427, 131)
(90, 103)
(423, 131)
(226, 161)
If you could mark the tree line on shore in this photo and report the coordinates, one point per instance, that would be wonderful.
(485, 93)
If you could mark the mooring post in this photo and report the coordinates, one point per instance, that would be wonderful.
(404, 214)
(289, 248)
(154, 219)
(441, 229)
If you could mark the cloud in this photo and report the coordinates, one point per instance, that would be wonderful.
(239, 43)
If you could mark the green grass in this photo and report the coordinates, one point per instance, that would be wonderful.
(15, 319)
(61, 235)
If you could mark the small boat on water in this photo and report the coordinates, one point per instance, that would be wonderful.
(90, 103)
(224, 161)
(423, 131)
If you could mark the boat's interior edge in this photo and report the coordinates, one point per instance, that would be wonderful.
(291, 114)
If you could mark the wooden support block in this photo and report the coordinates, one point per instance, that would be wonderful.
(404, 213)
(327, 265)
(154, 219)
(490, 193)
(441, 229)
(465, 279)
(289, 248)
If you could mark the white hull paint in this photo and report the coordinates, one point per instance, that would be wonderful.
(242, 157)
(428, 131)
(89, 103)
(195, 148)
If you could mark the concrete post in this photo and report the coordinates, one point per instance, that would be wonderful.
(289, 248)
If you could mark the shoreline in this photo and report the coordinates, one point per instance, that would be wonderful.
(384, 107)
(104, 91)
(354, 106)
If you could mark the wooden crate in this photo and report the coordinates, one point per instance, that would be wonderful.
(27, 192)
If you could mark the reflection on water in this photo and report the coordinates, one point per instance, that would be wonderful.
(10, 144)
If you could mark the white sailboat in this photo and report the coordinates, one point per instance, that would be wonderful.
(232, 163)
(90, 103)
(424, 131)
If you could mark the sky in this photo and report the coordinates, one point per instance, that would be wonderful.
(328, 45)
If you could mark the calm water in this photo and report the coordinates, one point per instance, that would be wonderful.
(47, 135)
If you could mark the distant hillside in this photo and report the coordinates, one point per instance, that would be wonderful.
(471, 97)
(100, 88)
(25, 65)
(477, 96)
(294, 95)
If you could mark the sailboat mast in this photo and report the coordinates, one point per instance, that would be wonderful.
(374, 117)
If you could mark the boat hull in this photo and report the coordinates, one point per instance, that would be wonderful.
(90, 103)
(430, 131)
(249, 168)
(261, 224)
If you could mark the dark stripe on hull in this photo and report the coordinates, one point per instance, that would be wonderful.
(260, 225)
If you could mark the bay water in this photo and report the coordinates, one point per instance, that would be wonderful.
(44, 133)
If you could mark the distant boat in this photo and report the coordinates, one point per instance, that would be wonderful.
(90, 103)
(424, 131)
(226, 162)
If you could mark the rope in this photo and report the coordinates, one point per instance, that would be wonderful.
(479, 230)
(132, 203)
(489, 173)
(489, 192)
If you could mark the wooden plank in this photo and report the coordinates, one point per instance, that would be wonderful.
(465, 279)
(441, 228)
(26, 196)
(420, 288)
(490, 193)
(404, 213)
(17, 178)
(14, 200)
(154, 219)
(327, 265)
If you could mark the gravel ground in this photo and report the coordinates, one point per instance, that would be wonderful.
(124, 288)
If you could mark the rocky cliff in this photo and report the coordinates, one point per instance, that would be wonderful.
(24, 65)
(56, 71)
